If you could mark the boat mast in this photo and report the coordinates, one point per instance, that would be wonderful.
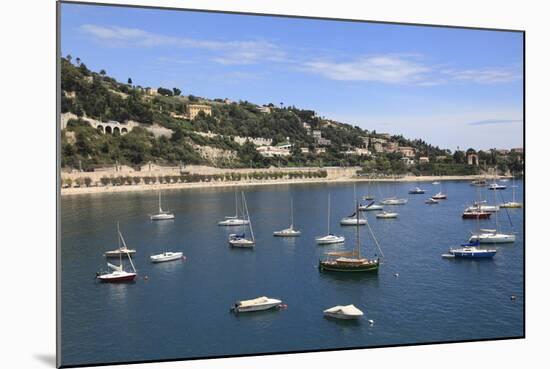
(328, 215)
(236, 205)
(291, 214)
(248, 217)
(160, 207)
(357, 240)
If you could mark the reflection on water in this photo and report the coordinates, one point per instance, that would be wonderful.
(182, 308)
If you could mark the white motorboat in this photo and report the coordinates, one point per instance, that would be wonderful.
(497, 186)
(290, 231)
(162, 214)
(166, 256)
(484, 208)
(493, 237)
(122, 248)
(436, 182)
(329, 238)
(343, 312)
(431, 201)
(394, 201)
(257, 304)
(386, 215)
(234, 220)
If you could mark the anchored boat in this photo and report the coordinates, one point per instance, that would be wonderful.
(166, 256)
(350, 261)
(240, 239)
(257, 304)
(162, 214)
(290, 231)
(343, 312)
(329, 238)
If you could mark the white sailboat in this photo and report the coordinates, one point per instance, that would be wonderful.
(329, 238)
(166, 256)
(162, 214)
(122, 248)
(118, 274)
(240, 239)
(370, 207)
(234, 220)
(290, 231)
(394, 200)
(493, 236)
(513, 203)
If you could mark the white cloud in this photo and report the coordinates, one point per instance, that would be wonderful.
(389, 69)
(224, 52)
(405, 69)
(484, 76)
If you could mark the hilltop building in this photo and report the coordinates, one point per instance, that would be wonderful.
(406, 151)
(194, 109)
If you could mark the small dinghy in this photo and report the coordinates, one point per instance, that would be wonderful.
(257, 304)
(343, 312)
(166, 256)
(386, 215)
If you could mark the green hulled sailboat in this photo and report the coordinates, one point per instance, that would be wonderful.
(350, 261)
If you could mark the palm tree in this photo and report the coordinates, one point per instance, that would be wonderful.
(69, 57)
(102, 73)
(77, 61)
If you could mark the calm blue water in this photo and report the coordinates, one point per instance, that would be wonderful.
(182, 309)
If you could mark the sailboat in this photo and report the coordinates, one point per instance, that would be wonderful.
(349, 261)
(513, 203)
(234, 220)
(240, 240)
(118, 274)
(440, 195)
(493, 235)
(162, 214)
(394, 200)
(471, 251)
(495, 185)
(290, 231)
(122, 248)
(354, 218)
(329, 238)
(370, 207)
(368, 196)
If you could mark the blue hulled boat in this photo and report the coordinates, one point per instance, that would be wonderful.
(470, 250)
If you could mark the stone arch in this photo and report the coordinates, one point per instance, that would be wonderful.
(124, 131)
(108, 129)
(473, 159)
(100, 129)
(116, 131)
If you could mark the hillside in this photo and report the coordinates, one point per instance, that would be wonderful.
(222, 133)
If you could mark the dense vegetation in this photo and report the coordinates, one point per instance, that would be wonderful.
(98, 96)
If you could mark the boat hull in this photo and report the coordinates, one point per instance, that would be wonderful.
(474, 255)
(476, 215)
(327, 241)
(286, 234)
(494, 239)
(350, 268)
(342, 316)
(352, 222)
(117, 279)
(162, 259)
(163, 217)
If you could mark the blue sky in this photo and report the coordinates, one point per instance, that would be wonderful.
(451, 87)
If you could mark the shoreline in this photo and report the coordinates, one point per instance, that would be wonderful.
(74, 191)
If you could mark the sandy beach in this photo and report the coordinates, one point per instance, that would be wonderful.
(176, 186)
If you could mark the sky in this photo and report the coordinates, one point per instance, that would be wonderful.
(450, 87)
